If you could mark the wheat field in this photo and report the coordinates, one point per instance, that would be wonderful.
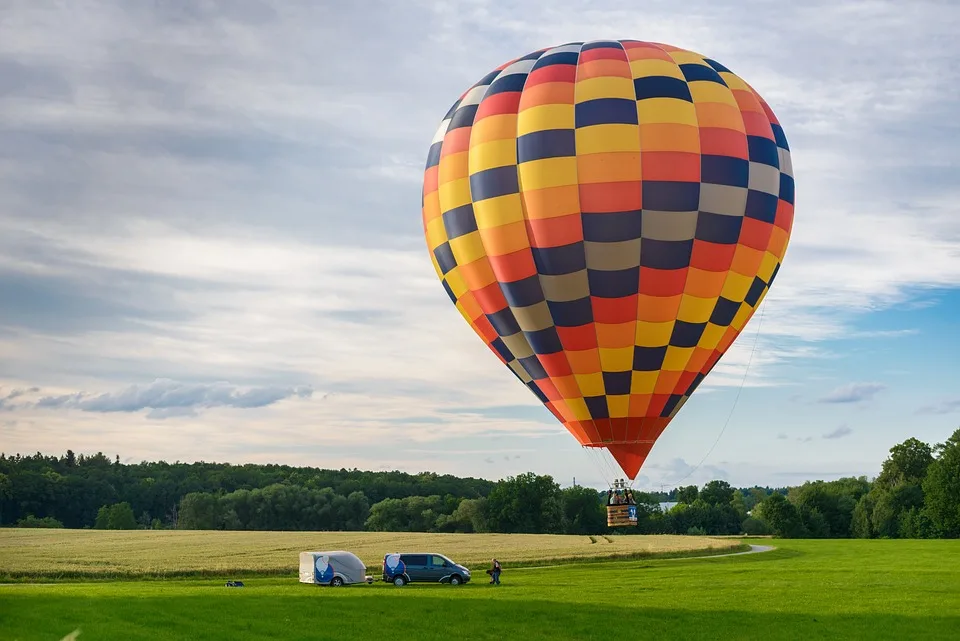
(96, 553)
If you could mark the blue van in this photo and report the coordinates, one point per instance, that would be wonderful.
(401, 568)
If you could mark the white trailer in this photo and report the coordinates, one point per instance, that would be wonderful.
(334, 568)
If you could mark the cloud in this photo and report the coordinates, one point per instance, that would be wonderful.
(853, 393)
(677, 471)
(884, 333)
(166, 398)
(782, 437)
(944, 407)
(7, 399)
(840, 432)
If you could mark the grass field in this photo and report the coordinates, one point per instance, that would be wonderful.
(29, 553)
(802, 590)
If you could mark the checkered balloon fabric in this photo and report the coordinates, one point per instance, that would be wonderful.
(607, 216)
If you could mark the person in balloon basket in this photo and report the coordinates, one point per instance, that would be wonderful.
(494, 573)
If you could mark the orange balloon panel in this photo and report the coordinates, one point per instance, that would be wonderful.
(607, 216)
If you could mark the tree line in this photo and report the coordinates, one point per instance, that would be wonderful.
(72, 489)
(916, 495)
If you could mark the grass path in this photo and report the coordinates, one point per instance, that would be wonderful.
(754, 549)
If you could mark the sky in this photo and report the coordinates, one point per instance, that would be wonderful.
(211, 244)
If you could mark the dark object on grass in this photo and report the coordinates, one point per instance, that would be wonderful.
(234, 584)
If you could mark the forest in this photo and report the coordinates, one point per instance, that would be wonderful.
(915, 495)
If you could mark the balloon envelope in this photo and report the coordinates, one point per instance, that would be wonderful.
(607, 216)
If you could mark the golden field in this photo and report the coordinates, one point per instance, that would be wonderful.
(111, 553)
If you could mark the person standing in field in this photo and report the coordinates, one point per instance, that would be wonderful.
(495, 573)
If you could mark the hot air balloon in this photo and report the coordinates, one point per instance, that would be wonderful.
(607, 216)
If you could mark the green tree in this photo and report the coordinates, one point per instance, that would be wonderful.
(356, 511)
(200, 511)
(387, 515)
(712, 519)
(814, 523)
(914, 523)
(409, 514)
(890, 506)
(941, 489)
(739, 503)
(6, 492)
(650, 517)
(583, 511)
(908, 463)
(782, 516)
(527, 503)
(33, 522)
(754, 497)
(687, 494)
(115, 517)
(861, 526)
(897, 494)
(755, 527)
(468, 517)
(103, 518)
(121, 517)
(717, 493)
(826, 508)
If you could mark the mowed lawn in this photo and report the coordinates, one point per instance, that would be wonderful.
(38, 553)
(803, 590)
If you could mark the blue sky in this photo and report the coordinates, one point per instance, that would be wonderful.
(211, 247)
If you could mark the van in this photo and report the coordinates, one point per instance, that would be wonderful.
(401, 568)
(334, 568)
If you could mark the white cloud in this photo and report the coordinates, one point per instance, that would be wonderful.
(840, 432)
(948, 406)
(853, 393)
(171, 398)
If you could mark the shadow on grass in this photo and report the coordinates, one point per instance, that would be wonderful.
(417, 614)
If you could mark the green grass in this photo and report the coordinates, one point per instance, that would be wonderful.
(803, 590)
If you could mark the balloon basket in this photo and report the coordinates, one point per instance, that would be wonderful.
(621, 515)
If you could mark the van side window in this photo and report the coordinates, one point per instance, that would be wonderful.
(437, 561)
(414, 559)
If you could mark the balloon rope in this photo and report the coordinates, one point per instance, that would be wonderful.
(590, 455)
(603, 458)
(593, 455)
(756, 340)
(607, 460)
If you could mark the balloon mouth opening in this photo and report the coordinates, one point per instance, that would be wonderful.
(630, 456)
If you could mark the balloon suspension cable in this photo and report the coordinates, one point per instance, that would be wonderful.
(756, 341)
(604, 467)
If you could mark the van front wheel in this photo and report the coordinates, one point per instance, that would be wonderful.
(455, 580)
